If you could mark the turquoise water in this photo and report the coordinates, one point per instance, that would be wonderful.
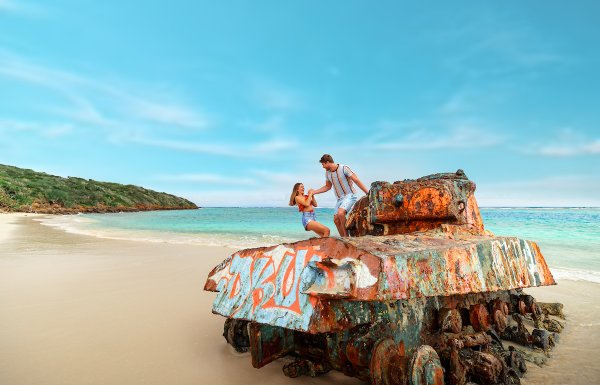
(568, 237)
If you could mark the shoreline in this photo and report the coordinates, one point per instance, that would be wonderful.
(65, 224)
(60, 210)
(82, 225)
(80, 309)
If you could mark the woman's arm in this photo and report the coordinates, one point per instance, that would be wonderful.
(303, 201)
(313, 200)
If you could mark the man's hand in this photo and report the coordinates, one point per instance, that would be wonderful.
(311, 192)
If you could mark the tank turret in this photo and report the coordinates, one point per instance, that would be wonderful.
(417, 205)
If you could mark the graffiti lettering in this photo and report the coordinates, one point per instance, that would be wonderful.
(257, 287)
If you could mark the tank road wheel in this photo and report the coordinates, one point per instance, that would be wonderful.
(500, 321)
(450, 320)
(480, 318)
(500, 305)
(425, 367)
(522, 307)
(388, 364)
(235, 332)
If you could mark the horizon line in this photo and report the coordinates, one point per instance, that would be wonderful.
(481, 207)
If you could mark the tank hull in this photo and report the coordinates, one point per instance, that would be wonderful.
(325, 285)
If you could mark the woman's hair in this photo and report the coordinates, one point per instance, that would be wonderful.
(294, 193)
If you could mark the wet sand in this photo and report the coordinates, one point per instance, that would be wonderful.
(82, 310)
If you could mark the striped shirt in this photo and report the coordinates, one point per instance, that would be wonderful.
(340, 182)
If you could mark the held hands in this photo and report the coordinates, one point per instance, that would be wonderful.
(311, 192)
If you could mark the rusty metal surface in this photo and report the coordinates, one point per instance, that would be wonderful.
(416, 205)
(266, 285)
(296, 285)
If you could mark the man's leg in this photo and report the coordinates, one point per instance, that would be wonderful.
(339, 218)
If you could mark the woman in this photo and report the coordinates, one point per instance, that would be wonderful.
(306, 205)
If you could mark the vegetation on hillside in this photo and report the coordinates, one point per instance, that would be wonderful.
(31, 191)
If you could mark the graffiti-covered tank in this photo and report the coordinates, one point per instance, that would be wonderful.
(420, 293)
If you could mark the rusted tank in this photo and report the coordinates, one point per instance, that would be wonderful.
(420, 293)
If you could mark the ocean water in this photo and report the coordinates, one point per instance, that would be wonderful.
(568, 237)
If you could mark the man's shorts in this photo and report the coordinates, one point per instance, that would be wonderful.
(346, 202)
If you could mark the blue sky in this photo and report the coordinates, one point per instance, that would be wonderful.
(230, 103)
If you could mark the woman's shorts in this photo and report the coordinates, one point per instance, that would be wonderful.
(308, 216)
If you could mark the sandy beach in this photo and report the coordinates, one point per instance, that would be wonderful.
(83, 310)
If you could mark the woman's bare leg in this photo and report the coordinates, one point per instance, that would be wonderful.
(319, 228)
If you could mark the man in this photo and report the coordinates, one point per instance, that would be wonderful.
(342, 179)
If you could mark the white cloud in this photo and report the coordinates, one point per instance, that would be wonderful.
(207, 178)
(565, 143)
(275, 97)
(21, 8)
(271, 189)
(136, 115)
(565, 150)
(169, 114)
(470, 99)
(237, 198)
(455, 103)
(559, 190)
(48, 130)
(273, 145)
(7, 5)
(87, 114)
(497, 44)
(88, 95)
(14, 125)
(233, 149)
(57, 130)
(276, 178)
(456, 137)
(518, 46)
(272, 124)
(266, 197)
(593, 147)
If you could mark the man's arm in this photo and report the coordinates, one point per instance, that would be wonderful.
(359, 183)
(323, 189)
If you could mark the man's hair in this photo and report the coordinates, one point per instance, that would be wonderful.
(326, 158)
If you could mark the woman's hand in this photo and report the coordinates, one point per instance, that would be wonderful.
(311, 198)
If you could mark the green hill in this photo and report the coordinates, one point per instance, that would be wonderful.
(30, 191)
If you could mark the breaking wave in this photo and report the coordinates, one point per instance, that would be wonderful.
(575, 275)
(82, 225)
(568, 238)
